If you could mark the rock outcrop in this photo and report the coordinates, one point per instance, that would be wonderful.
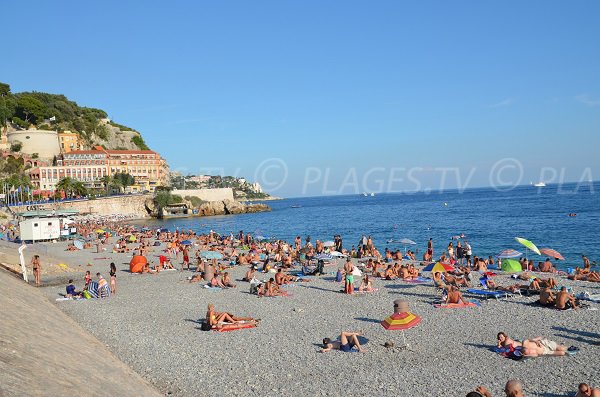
(230, 207)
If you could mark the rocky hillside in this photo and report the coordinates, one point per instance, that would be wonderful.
(39, 110)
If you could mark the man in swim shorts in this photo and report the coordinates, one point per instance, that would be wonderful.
(349, 277)
(542, 347)
(348, 341)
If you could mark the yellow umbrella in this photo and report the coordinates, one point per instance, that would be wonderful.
(99, 231)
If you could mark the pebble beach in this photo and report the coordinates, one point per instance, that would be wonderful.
(153, 325)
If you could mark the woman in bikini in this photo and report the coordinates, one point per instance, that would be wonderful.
(218, 320)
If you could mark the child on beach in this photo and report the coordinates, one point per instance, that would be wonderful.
(88, 278)
(113, 278)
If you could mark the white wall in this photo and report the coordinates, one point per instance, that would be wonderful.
(207, 194)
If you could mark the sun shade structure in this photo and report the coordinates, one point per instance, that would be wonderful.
(438, 267)
(402, 318)
(137, 263)
(509, 253)
(528, 244)
(511, 266)
(552, 253)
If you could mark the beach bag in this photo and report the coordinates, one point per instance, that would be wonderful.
(87, 295)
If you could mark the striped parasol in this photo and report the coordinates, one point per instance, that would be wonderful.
(438, 267)
(400, 321)
(324, 257)
(509, 253)
(552, 253)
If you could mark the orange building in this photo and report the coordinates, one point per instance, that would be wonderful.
(68, 141)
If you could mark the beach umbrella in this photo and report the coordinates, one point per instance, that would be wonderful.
(401, 320)
(324, 257)
(132, 238)
(78, 244)
(164, 230)
(260, 238)
(337, 254)
(211, 254)
(509, 253)
(100, 231)
(528, 244)
(328, 244)
(186, 242)
(552, 253)
(438, 267)
(511, 266)
(406, 242)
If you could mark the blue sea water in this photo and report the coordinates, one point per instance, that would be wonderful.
(489, 219)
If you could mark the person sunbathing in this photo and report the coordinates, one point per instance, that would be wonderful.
(565, 301)
(272, 289)
(546, 297)
(585, 390)
(348, 341)
(438, 280)
(365, 285)
(219, 320)
(281, 278)
(455, 296)
(216, 282)
(404, 273)
(546, 267)
(226, 280)
(250, 274)
(539, 346)
(456, 281)
(505, 341)
(592, 277)
(389, 273)
(196, 278)
(412, 271)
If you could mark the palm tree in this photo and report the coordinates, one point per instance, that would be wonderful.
(79, 188)
(66, 185)
(106, 181)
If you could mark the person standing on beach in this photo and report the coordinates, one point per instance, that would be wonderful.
(37, 269)
(113, 278)
(348, 277)
(430, 249)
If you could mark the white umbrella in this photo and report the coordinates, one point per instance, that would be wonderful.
(405, 242)
(337, 254)
(78, 244)
(328, 244)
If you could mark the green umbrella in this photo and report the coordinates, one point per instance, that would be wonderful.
(529, 245)
(511, 265)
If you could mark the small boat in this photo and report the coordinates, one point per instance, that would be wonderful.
(539, 184)
(372, 194)
(295, 206)
(365, 194)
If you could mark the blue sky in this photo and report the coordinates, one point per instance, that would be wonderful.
(350, 95)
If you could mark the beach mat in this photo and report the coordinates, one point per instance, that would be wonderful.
(234, 328)
(455, 305)
(418, 280)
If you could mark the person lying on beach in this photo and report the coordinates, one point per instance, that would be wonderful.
(455, 296)
(218, 320)
(71, 247)
(281, 278)
(547, 297)
(456, 281)
(71, 291)
(592, 277)
(438, 281)
(491, 285)
(585, 390)
(565, 301)
(146, 269)
(348, 341)
(539, 346)
(196, 278)
(505, 341)
(513, 388)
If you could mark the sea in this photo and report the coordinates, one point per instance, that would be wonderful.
(563, 217)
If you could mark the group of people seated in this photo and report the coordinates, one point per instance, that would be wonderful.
(392, 272)
(562, 301)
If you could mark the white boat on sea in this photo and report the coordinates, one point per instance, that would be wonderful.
(372, 194)
(539, 184)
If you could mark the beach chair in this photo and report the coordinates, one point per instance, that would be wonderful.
(485, 292)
